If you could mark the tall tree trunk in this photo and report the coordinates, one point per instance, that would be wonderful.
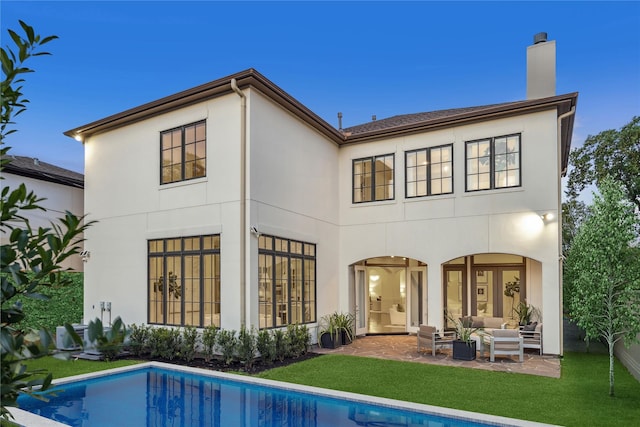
(611, 359)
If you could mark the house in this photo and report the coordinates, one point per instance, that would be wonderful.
(233, 204)
(61, 189)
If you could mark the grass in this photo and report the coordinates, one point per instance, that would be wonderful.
(578, 398)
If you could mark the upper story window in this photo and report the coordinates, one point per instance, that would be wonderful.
(493, 163)
(373, 178)
(183, 152)
(429, 171)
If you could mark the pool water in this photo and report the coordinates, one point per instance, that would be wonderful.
(161, 397)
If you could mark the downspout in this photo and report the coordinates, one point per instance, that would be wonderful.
(560, 257)
(243, 203)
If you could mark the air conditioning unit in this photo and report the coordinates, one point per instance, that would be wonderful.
(64, 341)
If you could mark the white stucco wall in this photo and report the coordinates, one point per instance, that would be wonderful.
(59, 199)
(439, 228)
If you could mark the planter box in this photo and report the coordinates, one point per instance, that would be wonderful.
(328, 341)
(345, 338)
(463, 350)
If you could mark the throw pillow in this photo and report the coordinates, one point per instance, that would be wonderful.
(530, 326)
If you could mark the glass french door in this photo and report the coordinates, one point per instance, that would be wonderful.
(417, 278)
(362, 300)
(455, 292)
(495, 291)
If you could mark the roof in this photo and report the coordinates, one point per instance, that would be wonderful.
(375, 130)
(31, 167)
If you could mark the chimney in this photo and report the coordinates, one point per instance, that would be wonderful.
(541, 67)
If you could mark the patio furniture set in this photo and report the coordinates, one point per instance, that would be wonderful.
(500, 341)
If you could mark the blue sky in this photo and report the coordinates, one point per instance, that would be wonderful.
(360, 58)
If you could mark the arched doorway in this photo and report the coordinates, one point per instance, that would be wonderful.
(388, 295)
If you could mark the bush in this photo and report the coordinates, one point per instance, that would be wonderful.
(247, 347)
(266, 346)
(63, 306)
(164, 343)
(226, 342)
(209, 341)
(139, 339)
(188, 343)
(282, 343)
(299, 340)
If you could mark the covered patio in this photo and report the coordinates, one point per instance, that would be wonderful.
(404, 349)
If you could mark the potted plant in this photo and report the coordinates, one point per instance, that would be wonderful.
(510, 290)
(329, 334)
(464, 346)
(345, 322)
(525, 313)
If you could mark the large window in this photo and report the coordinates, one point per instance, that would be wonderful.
(287, 282)
(373, 179)
(183, 153)
(493, 163)
(429, 171)
(184, 281)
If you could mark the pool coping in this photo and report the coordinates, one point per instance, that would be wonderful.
(25, 418)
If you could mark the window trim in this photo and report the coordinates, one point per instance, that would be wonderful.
(373, 178)
(182, 129)
(182, 253)
(289, 255)
(492, 170)
(428, 179)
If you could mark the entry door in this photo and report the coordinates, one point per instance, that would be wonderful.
(362, 300)
(417, 279)
(493, 293)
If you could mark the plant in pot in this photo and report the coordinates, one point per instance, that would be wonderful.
(329, 334)
(345, 322)
(464, 346)
(511, 289)
(525, 313)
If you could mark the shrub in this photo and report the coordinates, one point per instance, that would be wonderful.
(138, 339)
(209, 341)
(227, 341)
(188, 343)
(109, 342)
(164, 343)
(266, 346)
(247, 346)
(63, 306)
(282, 344)
(299, 340)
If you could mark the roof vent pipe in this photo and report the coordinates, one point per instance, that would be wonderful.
(36, 162)
(339, 120)
(374, 118)
(539, 38)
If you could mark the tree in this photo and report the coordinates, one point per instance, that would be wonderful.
(603, 271)
(30, 258)
(611, 153)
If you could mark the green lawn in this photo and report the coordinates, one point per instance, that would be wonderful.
(579, 398)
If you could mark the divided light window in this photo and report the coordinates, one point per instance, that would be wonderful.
(493, 163)
(373, 178)
(184, 281)
(287, 282)
(429, 171)
(183, 153)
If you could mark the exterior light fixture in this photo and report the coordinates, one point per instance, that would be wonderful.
(78, 137)
(547, 216)
(85, 255)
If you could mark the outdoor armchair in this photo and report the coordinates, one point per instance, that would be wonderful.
(429, 337)
(506, 342)
(532, 338)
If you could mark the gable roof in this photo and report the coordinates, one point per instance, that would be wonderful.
(379, 129)
(31, 167)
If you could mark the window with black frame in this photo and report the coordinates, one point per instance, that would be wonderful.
(429, 171)
(287, 282)
(184, 281)
(183, 153)
(373, 179)
(493, 163)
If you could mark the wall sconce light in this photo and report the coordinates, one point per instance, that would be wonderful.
(546, 216)
(374, 277)
(85, 255)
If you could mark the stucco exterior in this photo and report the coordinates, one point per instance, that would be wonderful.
(296, 174)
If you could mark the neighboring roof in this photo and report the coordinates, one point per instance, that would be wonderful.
(384, 128)
(33, 168)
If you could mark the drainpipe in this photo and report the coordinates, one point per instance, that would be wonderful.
(560, 259)
(243, 203)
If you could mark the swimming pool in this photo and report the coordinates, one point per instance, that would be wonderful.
(156, 394)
